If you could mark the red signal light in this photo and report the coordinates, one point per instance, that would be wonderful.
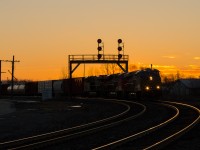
(119, 41)
(119, 48)
(99, 41)
(119, 56)
(99, 48)
(99, 56)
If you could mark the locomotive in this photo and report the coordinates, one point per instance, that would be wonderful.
(136, 84)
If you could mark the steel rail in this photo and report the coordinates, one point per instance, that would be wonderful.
(74, 135)
(176, 135)
(69, 136)
(116, 143)
(53, 135)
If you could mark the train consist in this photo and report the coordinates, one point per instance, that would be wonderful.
(146, 82)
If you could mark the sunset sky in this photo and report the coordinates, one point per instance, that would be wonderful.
(42, 33)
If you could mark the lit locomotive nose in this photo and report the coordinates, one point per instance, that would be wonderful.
(147, 88)
(151, 78)
(157, 87)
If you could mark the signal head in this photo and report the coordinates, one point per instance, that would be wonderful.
(99, 48)
(99, 56)
(119, 56)
(119, 48)
(119, 41)
(99, 41)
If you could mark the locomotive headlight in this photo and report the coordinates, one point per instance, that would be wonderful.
(147, 88)
(157, 87)
(150, 78)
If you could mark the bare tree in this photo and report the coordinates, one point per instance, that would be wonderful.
(64, 74)
(93, 71)
(109, 69)
(132, 67)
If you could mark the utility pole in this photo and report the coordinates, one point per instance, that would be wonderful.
(11, 75)
(13, 69)
(0, 75)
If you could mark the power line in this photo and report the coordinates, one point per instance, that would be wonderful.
(12, 73)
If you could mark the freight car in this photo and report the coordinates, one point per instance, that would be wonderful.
(73, 87)
(25, 89)
(3, 89)
(93, 86)
(146, 82)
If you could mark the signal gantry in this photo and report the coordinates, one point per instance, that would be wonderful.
(120, 59)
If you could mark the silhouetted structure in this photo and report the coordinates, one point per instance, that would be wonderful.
(92, 59)
(186, 87)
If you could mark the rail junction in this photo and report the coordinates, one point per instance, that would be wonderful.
(140, 125)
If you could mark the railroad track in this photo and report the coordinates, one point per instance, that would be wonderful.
(186, 118)
(146, 125)
(156, 116)
(42, 140)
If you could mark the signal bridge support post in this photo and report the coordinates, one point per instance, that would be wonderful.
(94, 59)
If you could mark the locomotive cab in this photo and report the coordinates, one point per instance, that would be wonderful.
(150, 82)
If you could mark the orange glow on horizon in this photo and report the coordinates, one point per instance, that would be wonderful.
(190, 71)
(41, 34)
